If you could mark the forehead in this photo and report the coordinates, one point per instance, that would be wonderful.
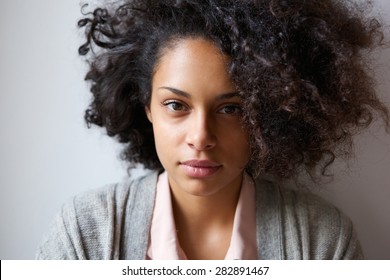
(191, 63)
(193, 46)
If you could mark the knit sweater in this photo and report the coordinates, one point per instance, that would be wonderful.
(114, 223)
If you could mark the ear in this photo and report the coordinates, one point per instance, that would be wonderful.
(148, 113)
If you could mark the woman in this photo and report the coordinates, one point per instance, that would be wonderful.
(212, 96)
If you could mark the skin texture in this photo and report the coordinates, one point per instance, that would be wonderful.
(196, 115)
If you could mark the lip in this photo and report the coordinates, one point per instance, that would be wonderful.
(200, 168)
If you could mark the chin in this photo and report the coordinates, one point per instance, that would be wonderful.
(200, 189)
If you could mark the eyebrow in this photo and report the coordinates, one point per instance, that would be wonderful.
(222, 96)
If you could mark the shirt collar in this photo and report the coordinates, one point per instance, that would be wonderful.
(164, 245)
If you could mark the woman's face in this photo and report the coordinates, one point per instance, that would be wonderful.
(196, 116)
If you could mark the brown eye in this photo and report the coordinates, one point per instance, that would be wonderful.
(231, 110)
(174, 106)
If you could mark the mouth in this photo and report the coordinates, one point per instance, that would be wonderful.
(200, 168)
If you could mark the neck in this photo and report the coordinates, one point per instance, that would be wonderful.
(207, 210)
(204, 223)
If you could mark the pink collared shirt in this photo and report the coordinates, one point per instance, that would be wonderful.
(164, 244)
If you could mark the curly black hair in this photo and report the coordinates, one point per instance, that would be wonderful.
(298, 65)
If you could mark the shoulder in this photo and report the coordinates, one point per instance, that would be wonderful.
(310, 227)
(88, 225)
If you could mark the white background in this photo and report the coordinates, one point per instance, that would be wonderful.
(48, 155)
(205, 270)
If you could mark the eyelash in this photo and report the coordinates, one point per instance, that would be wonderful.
(170, 103)
(182, 107)
(237, 108)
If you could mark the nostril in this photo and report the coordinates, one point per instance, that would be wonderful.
(202, 146)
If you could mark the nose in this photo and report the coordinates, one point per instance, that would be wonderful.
(201, 135)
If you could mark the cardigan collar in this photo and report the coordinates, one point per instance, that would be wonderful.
(268, 219)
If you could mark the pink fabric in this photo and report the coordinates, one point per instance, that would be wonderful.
(163, 242)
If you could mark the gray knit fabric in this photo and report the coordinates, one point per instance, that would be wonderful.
(114, 223)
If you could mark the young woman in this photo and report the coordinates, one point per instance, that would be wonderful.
(211, 96)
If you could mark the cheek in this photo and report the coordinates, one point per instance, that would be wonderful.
(161, 145)
(160, 137)
(239, 148)
(167, 138)
(244, 153)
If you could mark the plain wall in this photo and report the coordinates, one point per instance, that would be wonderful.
(48, 155)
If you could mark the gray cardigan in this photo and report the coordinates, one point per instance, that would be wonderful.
(114, 223)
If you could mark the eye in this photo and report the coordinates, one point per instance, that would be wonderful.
(232, 109)
(174, 106)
